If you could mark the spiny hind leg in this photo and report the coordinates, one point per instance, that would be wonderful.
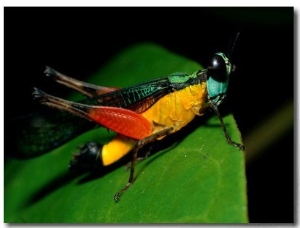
(135, 151)
(86, 89)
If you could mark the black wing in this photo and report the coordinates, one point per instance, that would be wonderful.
(35, 134)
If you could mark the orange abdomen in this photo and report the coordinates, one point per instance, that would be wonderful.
(177, 109)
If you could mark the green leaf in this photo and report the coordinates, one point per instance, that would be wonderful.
(193, 176)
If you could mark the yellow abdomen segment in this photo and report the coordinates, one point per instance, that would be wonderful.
(177, 109)
(116, 149)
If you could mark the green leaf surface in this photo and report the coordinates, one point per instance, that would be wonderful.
(193, 176)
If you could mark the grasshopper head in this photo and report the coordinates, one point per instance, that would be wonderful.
(218, 76)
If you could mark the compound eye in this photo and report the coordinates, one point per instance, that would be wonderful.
(217, 69)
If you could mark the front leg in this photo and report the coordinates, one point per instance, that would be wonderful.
(229, 140)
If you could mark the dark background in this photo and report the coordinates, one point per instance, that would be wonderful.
(78, 41)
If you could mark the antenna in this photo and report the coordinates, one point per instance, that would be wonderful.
(233, 46)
